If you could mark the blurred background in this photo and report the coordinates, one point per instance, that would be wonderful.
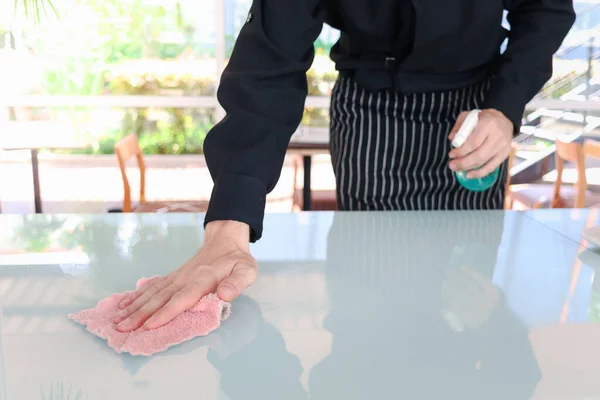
(72, 86)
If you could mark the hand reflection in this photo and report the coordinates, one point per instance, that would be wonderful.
(252, 357)
(469, 299)
(238, 332)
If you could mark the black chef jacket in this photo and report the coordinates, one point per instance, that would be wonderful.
(409, 46)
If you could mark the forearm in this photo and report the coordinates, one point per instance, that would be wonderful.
(262, 90)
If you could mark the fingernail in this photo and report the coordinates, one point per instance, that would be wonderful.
(124, 324)
(452, 166)
(227, 290)
(119, 317)
(149, 322)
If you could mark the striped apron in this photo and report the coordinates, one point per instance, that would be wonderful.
(390, 150)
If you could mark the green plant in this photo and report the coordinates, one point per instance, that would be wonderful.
(57, 392)
(542, 145)
(320, 83)
(35, 232)
(182, 136)
(35, 7)
(118, 47)
(317, 117)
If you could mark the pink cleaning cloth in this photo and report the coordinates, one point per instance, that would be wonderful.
(200, 320)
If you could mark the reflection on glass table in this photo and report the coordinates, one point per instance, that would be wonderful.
(348, 305)
(570, 223)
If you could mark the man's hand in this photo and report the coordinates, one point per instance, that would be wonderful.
(488, 146)
(469, 296)
(223, 264)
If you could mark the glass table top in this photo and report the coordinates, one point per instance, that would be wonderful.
(570, 223)
(347, 306)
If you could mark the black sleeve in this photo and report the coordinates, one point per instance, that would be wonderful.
(538, 28)
(263, 90)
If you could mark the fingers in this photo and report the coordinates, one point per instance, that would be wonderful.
(485, 284)
(133, 295)
(463, 296)
(459, 121)
(146, 296)
(242, 276)
(486, 148)
(475, 159)
(474, 142)
(181, 301)
(147, 310)
(154, 309)
(159, 303)
(488, 167)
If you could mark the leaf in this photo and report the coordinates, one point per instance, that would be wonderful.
(79, 394)
(34, 6)
(37, 10)
(53, 9)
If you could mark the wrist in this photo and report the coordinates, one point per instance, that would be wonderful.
(496, 112)
(235, 232)
(499, 114)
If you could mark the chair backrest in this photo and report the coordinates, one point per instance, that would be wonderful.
(570, 152)
(591, 148)
(126, 149)
(511, 162)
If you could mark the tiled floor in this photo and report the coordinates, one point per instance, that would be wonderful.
(95, 189)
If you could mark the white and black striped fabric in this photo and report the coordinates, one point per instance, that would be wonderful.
(390, 150)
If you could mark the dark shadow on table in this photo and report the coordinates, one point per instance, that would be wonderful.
(408, 318)
(446, 330)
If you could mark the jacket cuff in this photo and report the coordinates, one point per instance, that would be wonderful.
(239, 198)
(508, 99)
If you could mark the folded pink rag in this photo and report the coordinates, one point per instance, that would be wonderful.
(200, 320)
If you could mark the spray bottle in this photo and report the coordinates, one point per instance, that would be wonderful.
(473, 184)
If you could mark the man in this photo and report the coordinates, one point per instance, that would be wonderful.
(407, 71)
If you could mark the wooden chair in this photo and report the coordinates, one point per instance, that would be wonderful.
(321, 200)
(511, 161)
(555, 195)
(126, 149)
(591, 148)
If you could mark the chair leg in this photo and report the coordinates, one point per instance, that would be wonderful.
(537, 205)
(508, 202)
(296, 202)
